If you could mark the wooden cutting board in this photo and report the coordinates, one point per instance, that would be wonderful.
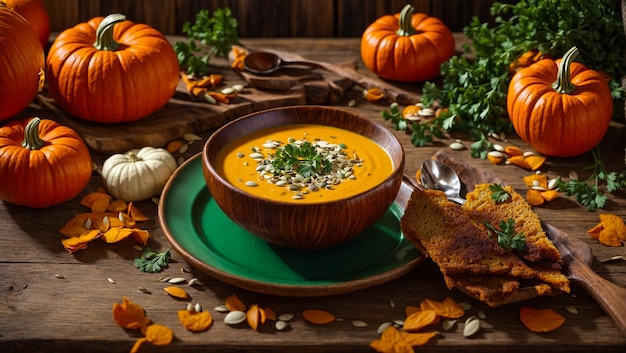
(183, 115)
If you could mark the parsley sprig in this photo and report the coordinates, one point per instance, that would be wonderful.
(422, 133)
(589, 192)
(507, 237)
(498, 193)
(303, 158)
(218, 32)
(152, 261)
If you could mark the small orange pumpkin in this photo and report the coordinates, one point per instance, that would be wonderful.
(21, 63)
(406, 46)
(36, 14)
(111, 70)
(560, 107)
(42, 163)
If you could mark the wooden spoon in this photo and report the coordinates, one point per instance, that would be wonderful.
(577, 255)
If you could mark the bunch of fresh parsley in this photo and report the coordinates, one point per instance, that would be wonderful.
(218, 33)
(152, 261)
(303, 158)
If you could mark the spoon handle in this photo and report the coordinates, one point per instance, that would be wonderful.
(610, 297)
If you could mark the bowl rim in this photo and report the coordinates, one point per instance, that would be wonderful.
(397, 169)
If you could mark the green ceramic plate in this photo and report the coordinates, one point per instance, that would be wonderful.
(202, 234)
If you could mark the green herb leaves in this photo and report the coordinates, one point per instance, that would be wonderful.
(498, 193)
(588, 192)
(302, 158)
(507, 237)
(219, 33)
(151, 261)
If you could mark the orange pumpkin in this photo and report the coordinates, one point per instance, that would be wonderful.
(406, 46)
(36, 14)
(21, 63)
(111, 70)
(42, 163)
(560, 107)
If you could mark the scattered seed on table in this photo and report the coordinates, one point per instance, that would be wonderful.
(177, 280)
(285, 317)
(465, 305)
(143, 290)
(59, 276)
(456, 146)
(280, 325)
(190, 307)
(359, 323)
(482, 315)
(137, 247)
(193, 281)
(571, 309)
(221, 309)
(235, 317)
(392, 303)
(448, 324)
(198, 308)
(471, 327)
(163, 279)
(384, 326)
(111, 280)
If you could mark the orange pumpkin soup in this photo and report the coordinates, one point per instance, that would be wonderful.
(304, 163)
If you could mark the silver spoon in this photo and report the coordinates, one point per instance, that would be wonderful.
(264, 63)
(438, 175)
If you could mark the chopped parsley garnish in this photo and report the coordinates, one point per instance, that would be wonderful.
(303, 158)
(507, 237)
(498, 193)
(151, 261)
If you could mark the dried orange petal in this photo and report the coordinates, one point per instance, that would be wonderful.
(174, 145)
(534, 197)
(158, 335)
(411, 310)
(540, 320)
(74, 244)
(609, 237)
(419, 320)
(535, 162)
(219, 97)
(100, 205)
(269, 314)
(135, 214)
(195, 321)
(116, 206)
(533, 180)
(254, 316)
(176, 292)
(90, 198)
(595, 231)
(373, 94)
(519, 161)
(550, 195)
(233, 303)
(494, 159)
(318, 317)
(114, 235)
(449, 308)
(141, 236)
(609, 220)
(513, 151)
(410, 110)
(417, 339)
(129, 315)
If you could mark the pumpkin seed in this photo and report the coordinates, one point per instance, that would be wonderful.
(137, 248)
(540, 188)
(392, 303)
(190, 307)
(198, 308)
(106, 222)
(448, 324)
(207, 97)
(189, 137)
(398, 322)
(552, 184)
(530, 153)
(251, 183)
(143, 290)
(616, 257)
(481, 314)
(238, 87)
(193, 281)
(498, 147)
(457, 146)
(163, 279)
(155, 200)
(571, 309)
(359, 323)
(351, 103)
(573, 175)
(426, 112)
(280, 325)
(235, 317)
(285, 317)
(221, 308)
(228, 91)
(87, 224)
(496, 154)
(472, 327)
(383, 327)
(111, 280)
(255, 155)
(177, 280)
(183, 148)
(59, 276)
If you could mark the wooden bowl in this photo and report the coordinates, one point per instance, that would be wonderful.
(307, 225)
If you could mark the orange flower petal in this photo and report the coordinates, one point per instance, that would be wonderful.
(129, 315)
(114, 235)
(513, 151)
(411, 310)
(158, 335)
(373, 94)
(176, 292)
(595, 231)
(135, 214)
(550, 195)
(233, 303)
(540, 320)
(534, 197)
(519, 161)
(535, 162)
(195, 321)
(89, 199)
(318, 317)
(419, 320)
(609, 237)
(540, 180)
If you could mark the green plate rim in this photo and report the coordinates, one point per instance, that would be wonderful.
(295, 288)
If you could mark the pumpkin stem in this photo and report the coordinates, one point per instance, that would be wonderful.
(32, 140)
(563, 83)
(406, 15)
(104, 32)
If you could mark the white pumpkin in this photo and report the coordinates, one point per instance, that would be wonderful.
(138, 174)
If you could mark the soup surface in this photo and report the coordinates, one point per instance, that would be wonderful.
(304, 163)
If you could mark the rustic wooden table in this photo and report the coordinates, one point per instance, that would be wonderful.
(42, 313)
